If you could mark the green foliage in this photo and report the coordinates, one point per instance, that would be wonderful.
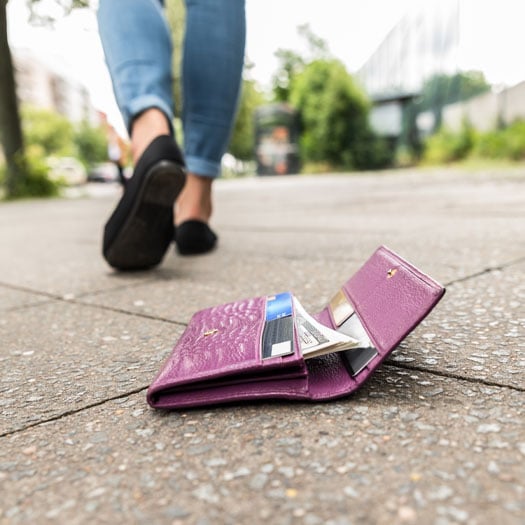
(51, 131)
(334, 118)
(372, 152)
(91, 143)
(56, 136)
(48, 135)
(291, 63)
(176, 16)
(501, 144)
(440, 90)
(242, 143)
(447, 146)
(507, 143)
(33, 180)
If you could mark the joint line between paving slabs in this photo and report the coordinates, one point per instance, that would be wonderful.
(489, 269)
(451, 375)
(126, 312)
(73, 412)
(53, 297)
(58, 297)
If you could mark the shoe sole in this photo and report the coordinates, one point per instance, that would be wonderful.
(146, 233)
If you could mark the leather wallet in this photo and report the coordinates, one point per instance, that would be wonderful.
(219, 359)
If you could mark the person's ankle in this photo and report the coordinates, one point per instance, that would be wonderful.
(145, 128)
(195, 200)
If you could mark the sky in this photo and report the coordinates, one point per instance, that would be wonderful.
(491, 32)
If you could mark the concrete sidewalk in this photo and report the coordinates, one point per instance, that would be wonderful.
(437, 435)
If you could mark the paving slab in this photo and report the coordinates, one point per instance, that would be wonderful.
(349, 216)
(12, 298)
(55, 247)
(176, 299)
(436, 436)
(476, 331)
(60, 357)
(452, 233)
(407, 448)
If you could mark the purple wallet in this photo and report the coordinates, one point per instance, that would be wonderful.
(218, 358)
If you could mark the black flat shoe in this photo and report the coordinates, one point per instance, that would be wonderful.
(140, 230)
(194, 237)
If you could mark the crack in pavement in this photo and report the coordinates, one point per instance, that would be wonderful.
(452, 375)
(72, 412)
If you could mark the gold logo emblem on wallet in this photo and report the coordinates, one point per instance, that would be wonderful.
(340, 307)
(210, 332)
(391, 273)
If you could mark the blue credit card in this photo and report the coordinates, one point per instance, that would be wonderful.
(278, 306)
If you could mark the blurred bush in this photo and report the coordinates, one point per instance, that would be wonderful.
(507, 143)
(501, 144)
(48, 130)
(50, 139)
(447, 146)
(35, 182)
(91, 143)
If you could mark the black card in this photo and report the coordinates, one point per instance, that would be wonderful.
(357, 359)
(277, 339)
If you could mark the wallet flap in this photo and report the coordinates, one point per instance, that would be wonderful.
(391, 297)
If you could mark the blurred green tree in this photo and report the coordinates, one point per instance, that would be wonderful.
(242, 142)
(334, 118)
(52, 132)
(440, 90)
(91, 143)
(176, 15)
(333, 110)
(291, 63)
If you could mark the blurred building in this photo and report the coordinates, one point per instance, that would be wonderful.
(488, 111)
(423, 43)
(42, 87)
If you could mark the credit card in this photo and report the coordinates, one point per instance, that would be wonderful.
(279, 305)
(277, 338)
(340, 307)
(358, 358)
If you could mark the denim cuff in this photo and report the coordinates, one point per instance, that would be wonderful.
(144, 102)
(203, 167)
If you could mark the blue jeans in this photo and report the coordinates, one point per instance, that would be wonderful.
(138, 49)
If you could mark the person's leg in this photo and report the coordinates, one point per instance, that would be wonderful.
(137, 45)
(138, 49)
(213, 60)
